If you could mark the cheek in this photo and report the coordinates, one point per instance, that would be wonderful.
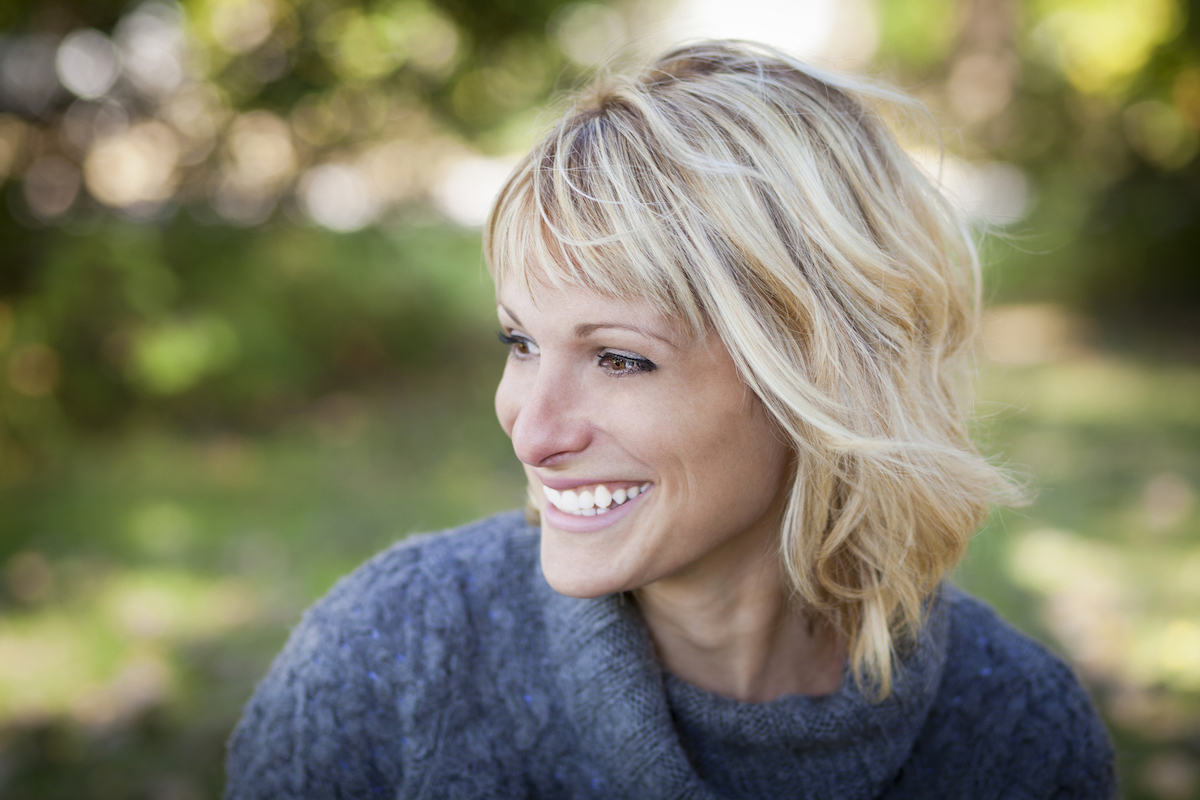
(746, 461)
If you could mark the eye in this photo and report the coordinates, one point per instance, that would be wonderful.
(519, 346)
(618, 365)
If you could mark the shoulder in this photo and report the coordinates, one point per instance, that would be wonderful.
(484, 547)
(991, 665)
(427, 571)
(424, 598)
(1011, 717)
(331, 716)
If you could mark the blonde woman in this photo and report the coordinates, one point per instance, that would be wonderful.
(737, 318)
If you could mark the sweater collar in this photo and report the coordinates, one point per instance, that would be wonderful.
(655, 735)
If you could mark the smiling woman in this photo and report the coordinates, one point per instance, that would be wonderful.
(737, 318)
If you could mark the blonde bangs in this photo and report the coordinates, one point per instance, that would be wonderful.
(568, 215)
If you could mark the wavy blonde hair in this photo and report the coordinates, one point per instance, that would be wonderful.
(743, 192)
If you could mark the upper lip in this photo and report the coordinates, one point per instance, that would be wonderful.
(562, 484)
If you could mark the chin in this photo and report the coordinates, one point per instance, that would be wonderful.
(572, 573)
(577, 586)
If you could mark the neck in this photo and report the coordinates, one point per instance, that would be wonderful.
(728, 627)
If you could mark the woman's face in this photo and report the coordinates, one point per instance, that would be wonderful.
(609, 405)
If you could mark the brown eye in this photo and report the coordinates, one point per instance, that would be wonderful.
(517, 345)
(617, 365)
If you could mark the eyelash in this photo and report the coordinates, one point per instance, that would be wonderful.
(639, 365)
(513, 342)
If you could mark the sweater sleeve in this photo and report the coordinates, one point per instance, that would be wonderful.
(1085, 768)
(327, 721)
(1011, 721)
(1056, 745)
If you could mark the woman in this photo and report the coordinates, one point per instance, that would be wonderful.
(736, 316)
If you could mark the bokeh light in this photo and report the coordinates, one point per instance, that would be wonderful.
(170, 358)
(136, 167)
(51, 185)
(588, 33)
(239, 26)
(261, 161)
(1100, 45)
(843, 30)
(153, 46)
(992, 193)
(465, 190)
(87, 63)
(337, 196)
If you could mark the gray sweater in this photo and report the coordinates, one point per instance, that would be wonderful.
(446, 667)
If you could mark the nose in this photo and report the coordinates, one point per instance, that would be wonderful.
(542, 411)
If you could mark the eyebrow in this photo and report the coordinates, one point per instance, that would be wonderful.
(586, 329)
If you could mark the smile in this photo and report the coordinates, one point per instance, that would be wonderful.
(590, 501)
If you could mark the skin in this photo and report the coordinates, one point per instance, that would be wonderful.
(602, 390)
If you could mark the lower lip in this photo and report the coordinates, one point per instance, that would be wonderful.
(571, 523)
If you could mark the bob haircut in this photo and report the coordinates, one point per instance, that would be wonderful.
(742, 192)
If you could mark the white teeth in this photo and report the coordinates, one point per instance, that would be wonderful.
(592, 500)
(604, 498)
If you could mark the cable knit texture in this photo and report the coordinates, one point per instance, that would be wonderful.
(446, 667)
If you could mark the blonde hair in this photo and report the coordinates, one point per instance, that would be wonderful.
(743, 192)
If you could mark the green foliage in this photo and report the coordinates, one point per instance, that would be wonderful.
(234, 325)
(1098, 103)
(918, 33)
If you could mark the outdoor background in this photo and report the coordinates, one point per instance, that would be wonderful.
(246, 333)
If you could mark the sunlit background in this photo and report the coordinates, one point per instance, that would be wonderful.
(245, 331)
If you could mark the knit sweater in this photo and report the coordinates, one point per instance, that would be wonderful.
(446, 667)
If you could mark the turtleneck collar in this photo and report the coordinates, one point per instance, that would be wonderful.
(655, 735)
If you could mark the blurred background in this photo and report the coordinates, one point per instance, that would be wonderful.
(245, 330)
